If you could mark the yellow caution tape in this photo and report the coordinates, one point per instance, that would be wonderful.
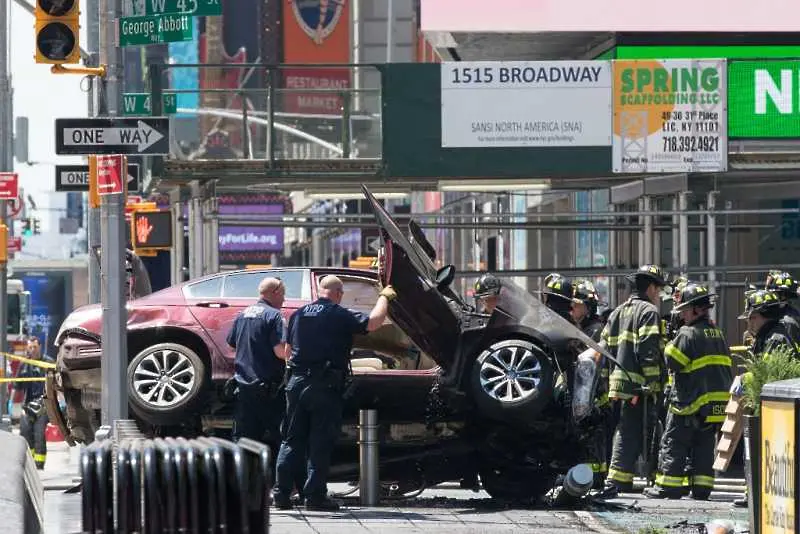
(36, 363)
(25, 379)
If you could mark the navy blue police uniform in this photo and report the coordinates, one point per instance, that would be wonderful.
(259, 374)
(33, 423)
(321, 337)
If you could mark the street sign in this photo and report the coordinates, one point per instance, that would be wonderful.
(155, 29)
(193, 8)
(9, 186)
(14, 245)
(76, 178)
(139, 104)
(109, 175)
(72, 178)
(370, 242)
(138, 135)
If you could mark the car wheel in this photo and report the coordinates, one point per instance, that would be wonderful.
(512, 380)
(166, 383)
(514, 485)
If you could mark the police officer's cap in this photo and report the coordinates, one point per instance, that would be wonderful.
(652, 273)
(486, 286)
(560, 286)
(782, 283)
(758, 301)
(693, 295)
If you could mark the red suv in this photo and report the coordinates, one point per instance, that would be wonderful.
(179, 360)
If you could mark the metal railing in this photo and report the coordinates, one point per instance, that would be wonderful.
(275, 112)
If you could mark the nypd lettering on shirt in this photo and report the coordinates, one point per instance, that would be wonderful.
(253, 312)
(312, 310)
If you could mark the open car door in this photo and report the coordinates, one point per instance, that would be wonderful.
(429, 318)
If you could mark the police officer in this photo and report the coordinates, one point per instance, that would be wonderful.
(701, 367)
(635, 337)
(486, 291)
(584, 313)
(258, 337)
(320, 337)
(33, 422)
(558, 295)
(785, 288)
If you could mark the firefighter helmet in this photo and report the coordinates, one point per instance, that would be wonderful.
(653, 273)
(758, 301)
(781, 283)
(692, 295)
(486, 286)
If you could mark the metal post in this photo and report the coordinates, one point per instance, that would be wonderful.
(369, 479)
(676, 258)
(114, 361)
(346, 134)
(613, 262)
(647, 231)
(711, 242)
(683, 231)
(389, 29)
(7, 162)
(195, 232)
(93, 230)
(176, 257)
(213, 238)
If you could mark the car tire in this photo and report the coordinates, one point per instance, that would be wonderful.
(166, 383)
(512, 380)
(513, 484)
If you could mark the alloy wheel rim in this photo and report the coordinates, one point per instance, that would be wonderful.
(510, 374)
(164, 378)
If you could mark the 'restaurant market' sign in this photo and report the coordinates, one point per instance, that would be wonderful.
(526, 104)
(670, 116)
(764, 99)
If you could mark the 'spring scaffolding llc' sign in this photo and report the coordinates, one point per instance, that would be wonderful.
(670, 116)
(526, 104)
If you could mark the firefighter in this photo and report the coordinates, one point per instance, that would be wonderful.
(785, 288)
(558, 295)
(701, 368)
(763, 312)
(33, 422)
(635, 337)
(584, 313)
(486, 290)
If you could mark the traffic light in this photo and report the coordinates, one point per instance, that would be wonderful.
(27, 227)
(36, 230)
(57, 32)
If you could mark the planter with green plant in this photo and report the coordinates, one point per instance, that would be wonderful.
(780, 364)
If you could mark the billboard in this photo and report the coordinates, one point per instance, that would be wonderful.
(245, 243)
(315, 32)
(524, 16)
(670, 116)
(51, 301)
(526, 104)
(764, 101)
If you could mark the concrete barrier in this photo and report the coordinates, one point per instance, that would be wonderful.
(21, 491)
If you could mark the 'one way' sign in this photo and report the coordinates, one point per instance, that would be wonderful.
(127, 136)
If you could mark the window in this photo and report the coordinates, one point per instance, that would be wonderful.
(207, 289)
(245, 285)
(359, 293)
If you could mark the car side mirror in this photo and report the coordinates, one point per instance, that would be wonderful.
(445, 277)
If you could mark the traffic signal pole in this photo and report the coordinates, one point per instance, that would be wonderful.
(114, 362)
(7, 163)
(93, 49)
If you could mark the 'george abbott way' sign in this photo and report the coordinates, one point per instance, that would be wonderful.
(129, 136)
(764, 99)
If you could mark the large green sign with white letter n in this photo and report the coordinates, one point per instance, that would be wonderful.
(764, 99)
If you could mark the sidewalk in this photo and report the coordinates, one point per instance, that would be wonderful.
(61, 471)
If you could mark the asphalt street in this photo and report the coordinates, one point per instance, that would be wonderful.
(444, 509)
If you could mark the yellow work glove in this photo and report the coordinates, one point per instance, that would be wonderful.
(389, 293)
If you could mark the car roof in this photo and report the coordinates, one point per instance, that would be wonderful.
(327, 270)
